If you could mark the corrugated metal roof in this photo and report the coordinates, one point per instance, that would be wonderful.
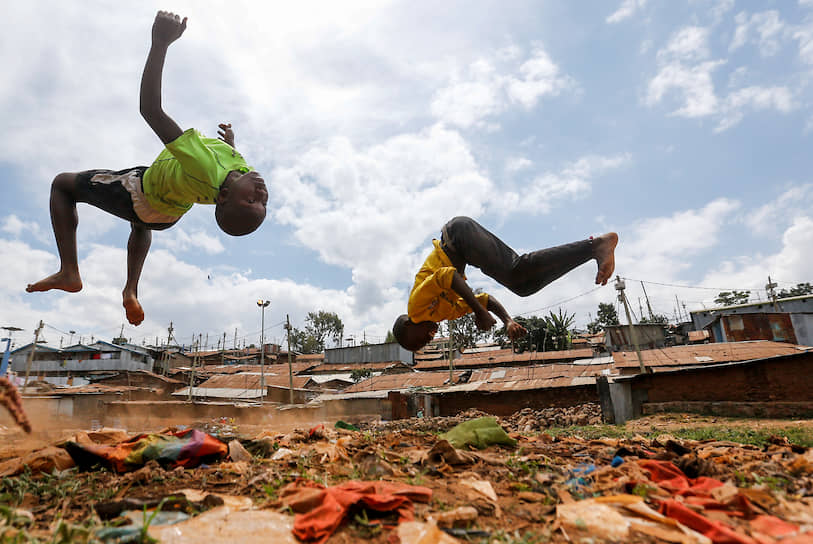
(506, 357)
(701, 354)
(251, 380)
(501, 379)
(275, 368)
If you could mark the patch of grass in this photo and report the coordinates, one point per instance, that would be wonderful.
(363, 526)
(725, 429)
(508, 537)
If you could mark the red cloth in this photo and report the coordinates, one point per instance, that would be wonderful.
(773, 526)
(672, 479)
(717, 531)
(318, 524)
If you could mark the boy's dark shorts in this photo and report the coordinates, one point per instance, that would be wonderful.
(107, 193)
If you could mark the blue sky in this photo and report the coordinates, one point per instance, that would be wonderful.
(683, 126)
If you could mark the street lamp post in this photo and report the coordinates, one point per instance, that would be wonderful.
(262, 304)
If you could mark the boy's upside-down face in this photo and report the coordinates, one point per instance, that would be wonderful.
(414, 336)
(241, 203)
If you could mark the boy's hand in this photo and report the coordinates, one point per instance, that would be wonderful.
(514, 330)
(167, 28)
(484, 320)
(226, 133)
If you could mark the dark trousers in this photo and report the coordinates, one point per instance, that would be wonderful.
(465, 241)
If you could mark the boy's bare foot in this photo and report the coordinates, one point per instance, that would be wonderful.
(604, 251)
(135, 313)
(61, 280)
(10, 398)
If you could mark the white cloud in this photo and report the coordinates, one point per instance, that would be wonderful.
(16, 227)
(804, 35)
(754, 98)
(776, 215)
(516, 164)
(181, 239)
(720, 9)
(685, 72)
(791, 264)
(489, 88)
(626, 10)
(695, 84)
(687, 44)
(545, 191)
(347, 204)
(659, 247)
(767, 30)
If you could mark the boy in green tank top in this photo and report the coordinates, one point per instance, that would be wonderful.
(191, 169)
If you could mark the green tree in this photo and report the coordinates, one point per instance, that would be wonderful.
(558, 330)
(530, 342)
(466, 333)
(319, 327)
(655, 319)
(390, 337)
(606, 317)
(359, 374)
(730, 298)
(798, 291)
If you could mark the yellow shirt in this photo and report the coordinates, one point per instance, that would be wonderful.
(432, 297)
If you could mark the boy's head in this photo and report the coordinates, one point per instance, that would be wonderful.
(413, 336)
(240, 204)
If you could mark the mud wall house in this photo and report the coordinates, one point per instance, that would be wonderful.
(499, 391)
(708, 376)
(245, 386)
(143, 379)
(779, 327)
(800, 310)
(72, 365)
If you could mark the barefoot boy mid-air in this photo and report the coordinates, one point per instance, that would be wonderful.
(191, 169)
(440, 291)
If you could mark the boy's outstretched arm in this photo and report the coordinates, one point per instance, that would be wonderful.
(512, 328)
(482, 318)
(167, 28)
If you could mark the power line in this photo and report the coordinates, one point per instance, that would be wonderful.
(562, 301)
(697, 286)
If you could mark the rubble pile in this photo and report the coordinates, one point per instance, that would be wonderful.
(526, 420)
(472, 483)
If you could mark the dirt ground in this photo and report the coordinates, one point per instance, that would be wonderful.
(507, 493)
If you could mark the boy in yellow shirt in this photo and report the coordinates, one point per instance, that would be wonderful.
(191, 169)
(440, 291)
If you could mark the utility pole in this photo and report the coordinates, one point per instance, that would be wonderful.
(451, 357)
(31, 353)
(770, 288)
(192, 374)
(223, 353)
(648, 306)
(234, 345)
(263, 304)
(290, 366)
(620, 286)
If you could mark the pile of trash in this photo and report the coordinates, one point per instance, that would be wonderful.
(529, 420)
(479, 481)
(526, 420)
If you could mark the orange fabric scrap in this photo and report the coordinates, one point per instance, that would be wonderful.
(328, 513)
